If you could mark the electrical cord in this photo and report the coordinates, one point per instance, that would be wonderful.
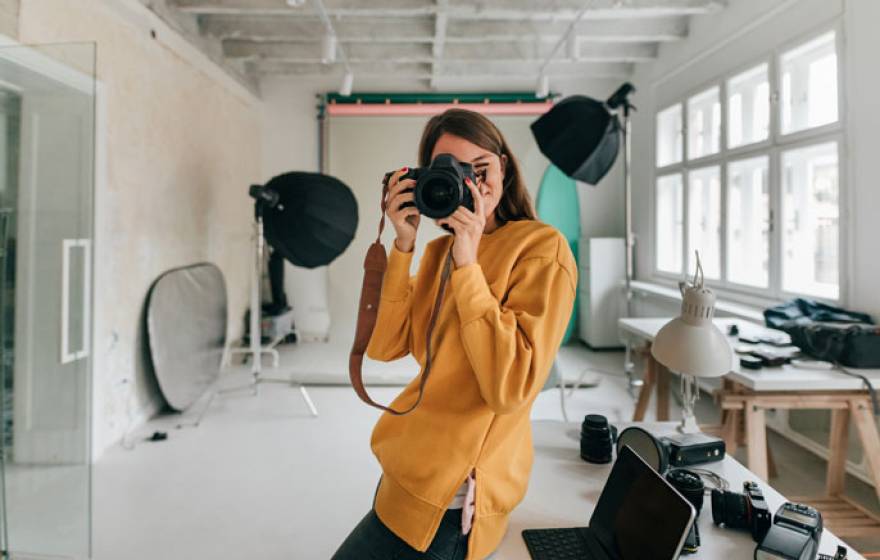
(711, 479)
(826, 352)
(875, 406)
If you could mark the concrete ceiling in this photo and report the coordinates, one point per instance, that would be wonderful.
(436, 43)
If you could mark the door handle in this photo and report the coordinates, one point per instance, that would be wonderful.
(67, 245)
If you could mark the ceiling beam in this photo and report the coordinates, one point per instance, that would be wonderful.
(423, 30)
(532, 10)
(448, 69)
(510, 51)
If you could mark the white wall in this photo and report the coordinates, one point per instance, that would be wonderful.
(290, 130)
(861, 21)
(182, 146)
(744, 32)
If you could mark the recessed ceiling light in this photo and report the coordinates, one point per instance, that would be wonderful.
(295, 3)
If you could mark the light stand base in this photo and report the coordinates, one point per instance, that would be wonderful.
(256, 350)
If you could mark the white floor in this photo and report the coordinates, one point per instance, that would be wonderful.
(262, 479)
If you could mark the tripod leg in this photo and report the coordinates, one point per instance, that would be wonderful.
(305, 396)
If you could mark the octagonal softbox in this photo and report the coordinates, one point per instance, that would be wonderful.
(315, 219)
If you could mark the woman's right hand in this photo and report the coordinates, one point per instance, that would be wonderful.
(405, 220)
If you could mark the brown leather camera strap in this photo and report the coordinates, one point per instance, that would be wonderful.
(375, 264)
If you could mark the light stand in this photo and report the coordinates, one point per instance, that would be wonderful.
(264, 198)
(619, 101)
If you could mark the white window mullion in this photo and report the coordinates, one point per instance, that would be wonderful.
(776, 223)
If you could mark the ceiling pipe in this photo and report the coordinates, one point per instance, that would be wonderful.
(562, 40)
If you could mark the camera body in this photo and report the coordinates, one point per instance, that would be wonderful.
(794, 535)
(742, 511)
(440, 188)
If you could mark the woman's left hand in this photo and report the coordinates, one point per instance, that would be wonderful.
(468, 227)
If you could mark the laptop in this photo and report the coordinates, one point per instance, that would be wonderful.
(639, 516)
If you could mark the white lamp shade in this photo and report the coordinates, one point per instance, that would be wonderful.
(698, 350)
(691, 344)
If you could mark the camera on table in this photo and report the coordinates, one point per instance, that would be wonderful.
(794, 535)
(440, 188)
(742, 511)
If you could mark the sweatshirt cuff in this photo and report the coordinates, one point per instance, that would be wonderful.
(473, 298)
(395, 284)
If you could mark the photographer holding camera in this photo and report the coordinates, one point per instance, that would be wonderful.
(456, 466)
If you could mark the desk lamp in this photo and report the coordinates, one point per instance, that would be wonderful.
(692, 345)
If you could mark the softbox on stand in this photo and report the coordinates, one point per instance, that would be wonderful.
(309, 219)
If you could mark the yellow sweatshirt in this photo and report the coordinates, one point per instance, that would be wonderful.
(497, 333)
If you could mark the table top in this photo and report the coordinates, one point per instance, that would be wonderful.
(563, 490)
(785, 378)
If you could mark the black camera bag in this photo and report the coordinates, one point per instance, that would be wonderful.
(828, 333)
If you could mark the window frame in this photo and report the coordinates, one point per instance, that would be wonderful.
(772, 147)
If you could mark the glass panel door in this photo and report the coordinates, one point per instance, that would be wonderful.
(47, 140)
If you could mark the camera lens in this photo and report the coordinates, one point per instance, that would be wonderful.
(689, 484)
(730, 509)
(440, 195)
(596, 439)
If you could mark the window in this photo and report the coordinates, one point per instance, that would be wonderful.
(748, 222)
(669, 136)
(704, 124)
(670, 228)
(704, 220)
(810, 220)
(748, 106)
(760, 203)
(809, 85)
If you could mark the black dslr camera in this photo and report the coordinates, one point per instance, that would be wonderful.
(440, 187)
(794, 535)
(742, 511)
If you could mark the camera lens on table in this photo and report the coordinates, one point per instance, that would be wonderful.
(597, 439)
(691, 486)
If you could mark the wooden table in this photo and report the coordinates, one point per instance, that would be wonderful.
(747, 395)
(564, 489)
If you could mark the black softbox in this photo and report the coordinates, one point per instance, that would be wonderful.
(313, 219)
(580, 136)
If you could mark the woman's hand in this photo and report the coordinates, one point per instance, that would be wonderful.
(404, 220)
(468, 227)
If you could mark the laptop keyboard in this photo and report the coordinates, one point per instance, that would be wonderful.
(561, 544)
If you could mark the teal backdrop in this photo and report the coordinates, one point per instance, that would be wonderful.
(558, 206)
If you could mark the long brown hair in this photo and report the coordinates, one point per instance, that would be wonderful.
(515, 203)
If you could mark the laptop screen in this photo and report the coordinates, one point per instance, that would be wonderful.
(639, 515)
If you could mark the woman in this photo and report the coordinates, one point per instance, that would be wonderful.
(455, 467)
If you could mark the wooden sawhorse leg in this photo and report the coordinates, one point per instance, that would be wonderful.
(645, 391)
(838, 443)
(663, 377)
(756, 436)
(866, 425)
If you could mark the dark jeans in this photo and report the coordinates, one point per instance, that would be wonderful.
(372, 540)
